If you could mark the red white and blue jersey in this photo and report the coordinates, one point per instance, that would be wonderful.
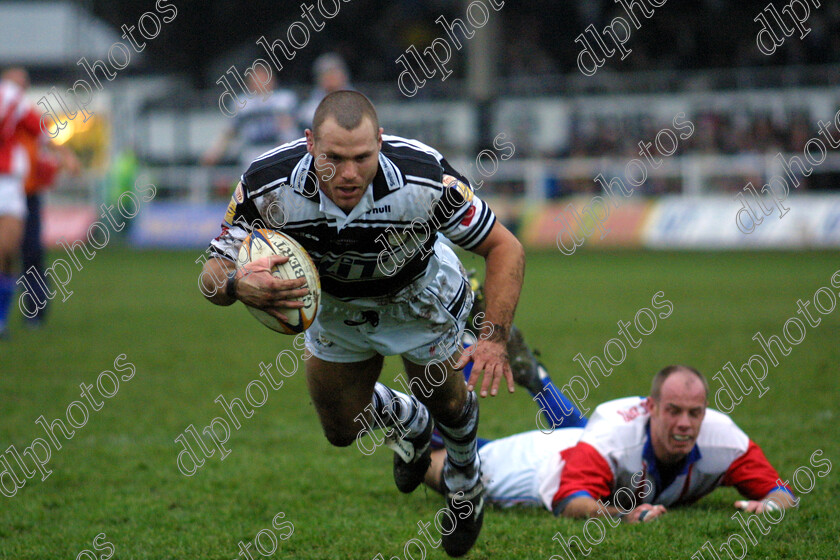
(615, 453)
(17, 116)
(383, 244)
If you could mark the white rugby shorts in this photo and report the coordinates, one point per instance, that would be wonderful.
(12, 194)
(422, 322)
(524, 469)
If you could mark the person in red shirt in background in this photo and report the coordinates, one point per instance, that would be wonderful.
(28, 165)
(17, 115)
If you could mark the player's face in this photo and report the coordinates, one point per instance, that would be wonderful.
(261, 80)
(346, 160)
(675, 419)
(333, 80)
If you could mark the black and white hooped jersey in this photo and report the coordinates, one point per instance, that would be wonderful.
(386, 241)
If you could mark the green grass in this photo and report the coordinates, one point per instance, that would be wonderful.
(118, 474)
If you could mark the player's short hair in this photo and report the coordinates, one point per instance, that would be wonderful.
(664, 373)
(348, 108)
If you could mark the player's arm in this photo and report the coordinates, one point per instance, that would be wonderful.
(505, 269)
(586, 476)
(757, 480)
(253, 285)
(469, 222)
(213, 281)
(777, 499)
(222, 283)
(583, 507)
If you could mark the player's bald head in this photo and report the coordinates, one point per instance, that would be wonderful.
(348, 108)
(666, 372)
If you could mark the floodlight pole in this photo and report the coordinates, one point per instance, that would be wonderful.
(482, 56)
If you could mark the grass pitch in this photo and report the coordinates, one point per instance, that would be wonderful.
(117, 475)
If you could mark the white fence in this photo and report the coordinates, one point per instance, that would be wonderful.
(169, 142)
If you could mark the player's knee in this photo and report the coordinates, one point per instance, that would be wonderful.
(339, 437)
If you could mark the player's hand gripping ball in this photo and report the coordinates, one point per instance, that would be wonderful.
(265, 242)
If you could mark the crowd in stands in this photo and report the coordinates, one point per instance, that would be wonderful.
(733, 132)
(537, 46)
(537, 37)
(724, 132)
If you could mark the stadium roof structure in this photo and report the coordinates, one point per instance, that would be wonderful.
(51, 34)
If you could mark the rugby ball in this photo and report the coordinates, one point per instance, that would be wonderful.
(265, 242)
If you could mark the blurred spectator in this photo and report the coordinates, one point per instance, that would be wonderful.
(331, 74)
(45, 159)
(17, 116)
(265, 122)
(121, 178)
(740, 131)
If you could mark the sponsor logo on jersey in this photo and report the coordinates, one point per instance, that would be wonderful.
(469, 216)
(276, 215)
(634, 412)
(454, 183)
(449, 181)
(465, 191)
(239, 194)
(231, 212)
(380, 209)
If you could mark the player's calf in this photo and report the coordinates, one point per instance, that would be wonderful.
(438, 386)
(459, 439)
